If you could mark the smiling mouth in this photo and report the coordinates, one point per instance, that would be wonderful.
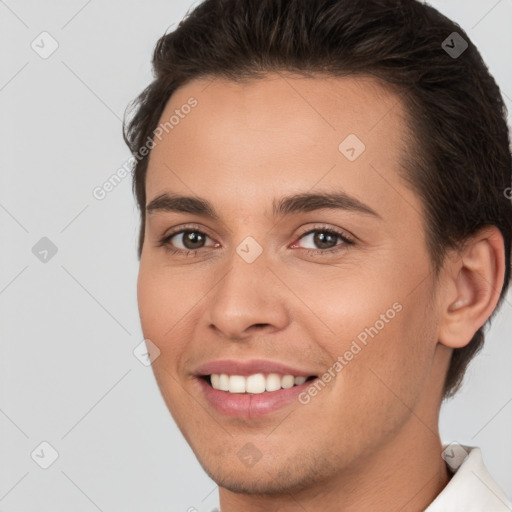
(254, 384)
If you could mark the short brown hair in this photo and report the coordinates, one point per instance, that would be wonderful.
(459, 159)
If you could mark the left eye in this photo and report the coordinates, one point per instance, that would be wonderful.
(193, 239)
(324, 238)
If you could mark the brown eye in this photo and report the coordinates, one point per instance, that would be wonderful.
(191, 240)
(325, 241)
(186, 241)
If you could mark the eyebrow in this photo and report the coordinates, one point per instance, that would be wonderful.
(297, 203)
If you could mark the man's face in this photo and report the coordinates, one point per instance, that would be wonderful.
(308, 300)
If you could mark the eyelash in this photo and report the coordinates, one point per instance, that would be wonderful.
(347, 241)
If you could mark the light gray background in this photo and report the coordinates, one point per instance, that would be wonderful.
(69, 326)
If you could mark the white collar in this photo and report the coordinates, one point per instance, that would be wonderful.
(471, 488)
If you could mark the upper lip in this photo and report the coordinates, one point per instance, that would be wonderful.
(250, 367)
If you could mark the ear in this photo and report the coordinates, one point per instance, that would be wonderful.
(474, 281)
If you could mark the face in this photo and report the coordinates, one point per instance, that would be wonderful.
(336, 282)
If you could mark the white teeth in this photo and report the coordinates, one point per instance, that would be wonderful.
(255, 384)
(237, 384)
(223, 382)
(215, 380)
(273, 382)
(287, 381)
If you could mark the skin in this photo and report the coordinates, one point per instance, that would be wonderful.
(369, 440)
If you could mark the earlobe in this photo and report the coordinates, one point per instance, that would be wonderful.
(475, 282)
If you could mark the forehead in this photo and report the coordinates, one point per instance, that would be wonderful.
(281, 133)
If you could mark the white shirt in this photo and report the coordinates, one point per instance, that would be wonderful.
(471, 488)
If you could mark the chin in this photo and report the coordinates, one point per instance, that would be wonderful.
(267, 478)
(255, 482)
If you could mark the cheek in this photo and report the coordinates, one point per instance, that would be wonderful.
(162, 311)
(162, 308)
(386, 378)
(381, 331)
(382, 379)
(163, 298)
(150, 292)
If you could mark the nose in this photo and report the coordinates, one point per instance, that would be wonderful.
(247, 299)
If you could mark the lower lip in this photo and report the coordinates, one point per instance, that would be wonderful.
(251, 405)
